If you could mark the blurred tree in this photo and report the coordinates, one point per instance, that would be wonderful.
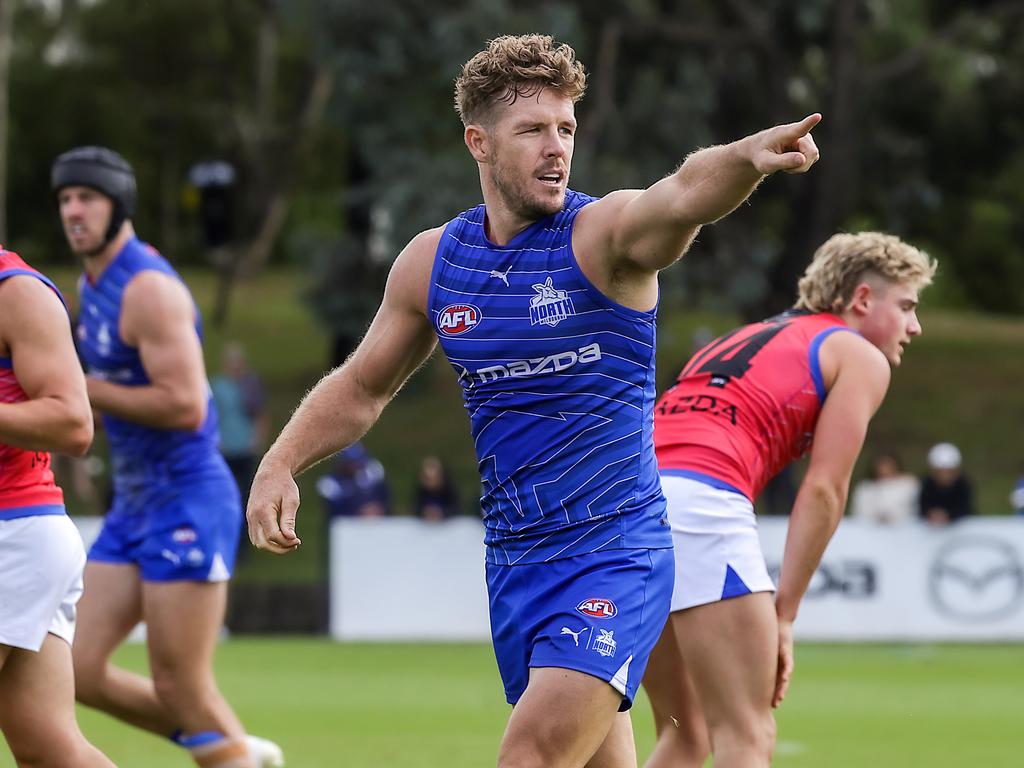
(922, 133)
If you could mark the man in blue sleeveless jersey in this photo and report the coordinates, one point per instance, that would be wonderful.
(43, 408)
(544, 302)
(168, 543)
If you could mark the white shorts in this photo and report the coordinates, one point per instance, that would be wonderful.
(718, 552)
(41, 562)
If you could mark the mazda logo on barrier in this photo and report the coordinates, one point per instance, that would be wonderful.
(976, 579)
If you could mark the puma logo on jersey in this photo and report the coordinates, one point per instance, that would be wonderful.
(503, 276)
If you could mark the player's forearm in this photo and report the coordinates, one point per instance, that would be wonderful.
(815, 517)
(150, 405)
(335, 413)
(713, 181)
(46, 424)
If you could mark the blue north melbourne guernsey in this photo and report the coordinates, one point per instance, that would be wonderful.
(558, 380)
(143, 457)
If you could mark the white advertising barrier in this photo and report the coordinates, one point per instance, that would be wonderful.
(403, 579)
(912, 582)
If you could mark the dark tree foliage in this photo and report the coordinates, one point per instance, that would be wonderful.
(923, 134)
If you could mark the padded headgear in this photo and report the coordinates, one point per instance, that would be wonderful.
(105, 171)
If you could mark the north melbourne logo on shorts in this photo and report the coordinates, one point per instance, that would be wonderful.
(597, 607)
(604, 643)
(456, 319)
(550, 306)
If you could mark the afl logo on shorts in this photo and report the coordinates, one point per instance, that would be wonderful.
(597, 607)
(184, 535)
(458, 318)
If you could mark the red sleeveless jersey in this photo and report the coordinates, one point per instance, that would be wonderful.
(746, 405)
(26, 481)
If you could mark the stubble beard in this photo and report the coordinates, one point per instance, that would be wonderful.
(519, 201)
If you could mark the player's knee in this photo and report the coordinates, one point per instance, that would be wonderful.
(689, 747)
(177, 689)
(753, 734)
(532, 753)
(44, 750)
(88, 682)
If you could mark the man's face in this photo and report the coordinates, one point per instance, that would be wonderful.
(85, 215)
(891, 319)
(531, 152)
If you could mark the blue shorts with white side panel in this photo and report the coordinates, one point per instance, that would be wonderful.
(600, 613)
(175, 532)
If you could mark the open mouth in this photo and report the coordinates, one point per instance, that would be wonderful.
(552, 179)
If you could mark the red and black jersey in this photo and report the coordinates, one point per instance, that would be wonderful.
(746, 404)
(27, 487)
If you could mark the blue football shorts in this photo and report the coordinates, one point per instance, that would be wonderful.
(186, 531)
(600, 613)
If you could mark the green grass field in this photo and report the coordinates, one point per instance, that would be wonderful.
(440, 706)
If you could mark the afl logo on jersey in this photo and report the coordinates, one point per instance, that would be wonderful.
(456, 319)
(597, 607)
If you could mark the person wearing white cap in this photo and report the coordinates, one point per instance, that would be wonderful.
(946, 493)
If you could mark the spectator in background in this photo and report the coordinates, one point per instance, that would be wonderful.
(946, 494)
(889, 495)
(1017, 496)
(436, 498)
(355, 486)
(244, 423)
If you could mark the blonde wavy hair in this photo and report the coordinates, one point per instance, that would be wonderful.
(844, 260)
(513, 66)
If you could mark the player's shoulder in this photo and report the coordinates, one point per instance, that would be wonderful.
(850, 354)
(410, 274)
(604, 209)
(28, 290)
(31, 307)
(152, 296)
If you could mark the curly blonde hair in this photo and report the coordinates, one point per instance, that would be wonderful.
(513, 66)
(844, 260)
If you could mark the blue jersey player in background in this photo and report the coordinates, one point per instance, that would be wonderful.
(168, 543)
(543, 300)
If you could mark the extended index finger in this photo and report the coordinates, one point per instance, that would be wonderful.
(795, 130)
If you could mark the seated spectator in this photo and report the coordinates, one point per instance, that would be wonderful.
(436, 498)
(355, 486)
(889, 495)
(946, 495)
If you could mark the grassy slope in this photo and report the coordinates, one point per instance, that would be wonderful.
(960, 381)
(429, 706)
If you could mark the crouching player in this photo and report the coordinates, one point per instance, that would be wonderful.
(745, 406)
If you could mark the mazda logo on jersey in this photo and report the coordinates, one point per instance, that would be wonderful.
(458, 318)
(597, 607)
(976, 579)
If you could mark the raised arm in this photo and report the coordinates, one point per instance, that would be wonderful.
(345, 403)
(36, 335)
(648, 230)
(158, 318)
(861, 377)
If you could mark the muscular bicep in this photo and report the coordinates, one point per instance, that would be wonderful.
(41, 349)
(860, 382)
(159, 320)
(401, 337)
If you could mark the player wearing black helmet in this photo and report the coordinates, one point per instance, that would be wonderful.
(168, 543)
